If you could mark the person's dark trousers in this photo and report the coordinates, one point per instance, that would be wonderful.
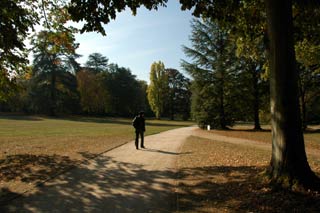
(141, 133)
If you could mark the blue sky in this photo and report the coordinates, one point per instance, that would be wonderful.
(135, 42)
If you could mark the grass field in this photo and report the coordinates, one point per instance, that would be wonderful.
(34, 149)
(70, 136)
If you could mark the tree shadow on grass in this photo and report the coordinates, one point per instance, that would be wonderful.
(106, 185)
(30, 168)
(236, 189)
(27, 171)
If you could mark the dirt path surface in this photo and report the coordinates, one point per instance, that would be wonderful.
(121, 180)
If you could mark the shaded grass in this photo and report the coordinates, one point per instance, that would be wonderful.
(34, 148)
(222, 177)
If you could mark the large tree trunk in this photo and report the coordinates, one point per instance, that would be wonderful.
(289, 161)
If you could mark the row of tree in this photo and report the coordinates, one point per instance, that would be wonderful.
(62, 86)
(56, 83)
(59, 85)
(231, 75)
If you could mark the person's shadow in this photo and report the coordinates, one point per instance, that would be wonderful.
(164, 152)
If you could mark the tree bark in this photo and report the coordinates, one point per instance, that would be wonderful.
(289, 161)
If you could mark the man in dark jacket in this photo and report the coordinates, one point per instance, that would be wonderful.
(140, 127)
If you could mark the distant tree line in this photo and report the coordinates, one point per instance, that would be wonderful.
(61, 86)
(55, 83)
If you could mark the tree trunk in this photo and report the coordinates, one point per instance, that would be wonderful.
(256, 101)
(223, 124)
(304, 112)
(53, 93)
(289, 162)
(303, 103)
(172, 107)
(222, 112)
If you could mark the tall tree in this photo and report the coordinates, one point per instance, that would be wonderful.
(307, 48)
(125, 91)
(256, 88)
(50, 62)
(179, 95)
(288, 150)
(158, 88)
(16, 19)
(308, 63)
(249, 33)
(143, 103)
(213, 70)
(97, 62)
(94, 96)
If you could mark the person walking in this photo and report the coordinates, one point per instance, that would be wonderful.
(140, 127)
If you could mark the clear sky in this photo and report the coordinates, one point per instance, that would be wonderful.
(135, 42)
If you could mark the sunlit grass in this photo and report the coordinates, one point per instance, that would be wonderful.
(70, 136)
(311, 137)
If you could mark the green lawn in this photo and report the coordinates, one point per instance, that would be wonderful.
(70, 136)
